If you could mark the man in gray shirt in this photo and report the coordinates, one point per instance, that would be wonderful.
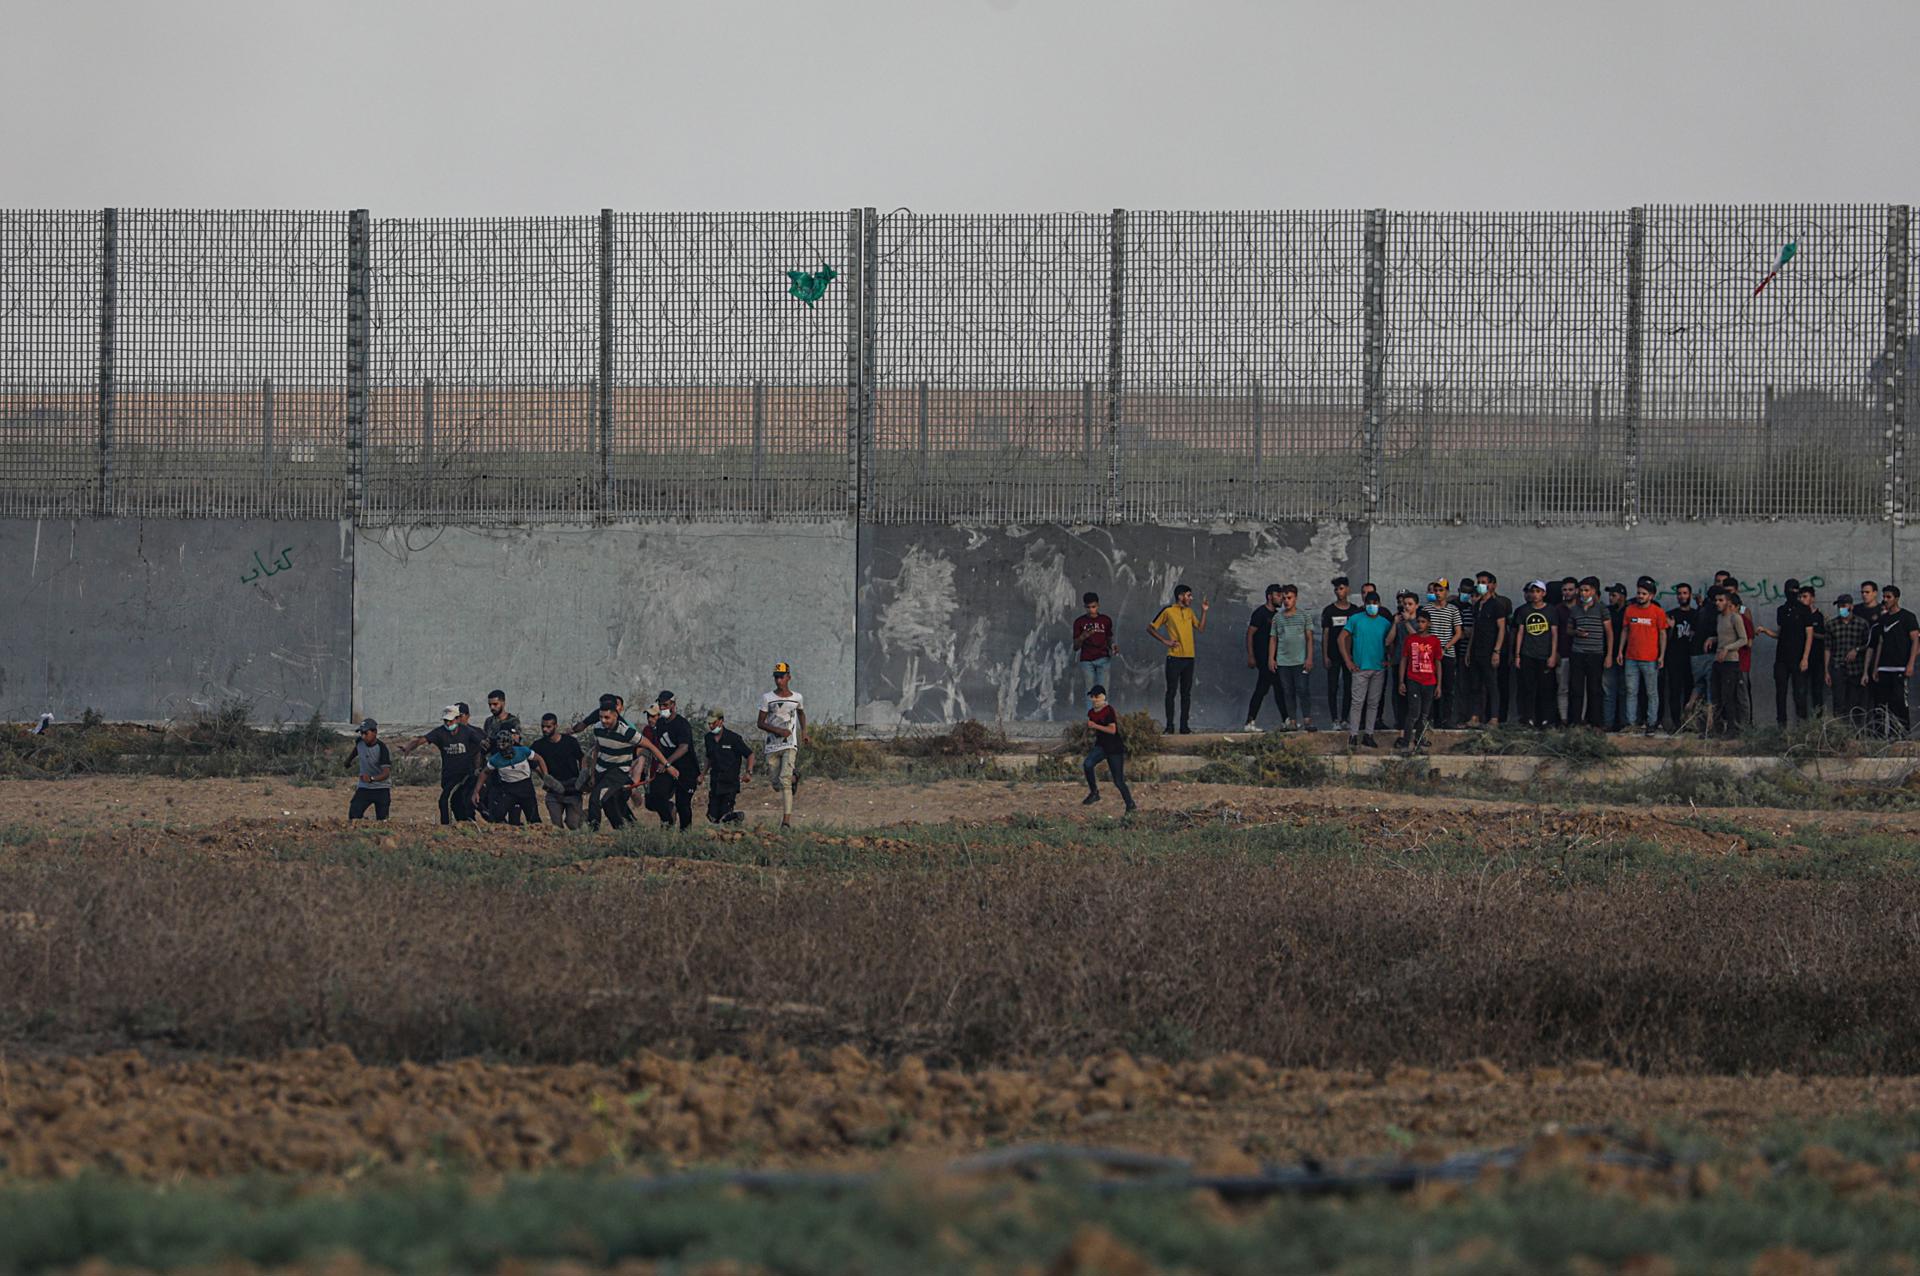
(375, 765)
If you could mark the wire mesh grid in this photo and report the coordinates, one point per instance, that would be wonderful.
(1760, 402)
(729, 375)
(1242, 353)
(992, 369)
(49, 362)
(1898, 394)
(229, 393)
(1505, 352)
(481, 369)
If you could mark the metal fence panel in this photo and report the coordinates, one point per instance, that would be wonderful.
(228, 378)
(481, 370)
(1242, 362)
(991, 369)
(730, 386)
(1505, 351)
(1761, 405)
(49, 362)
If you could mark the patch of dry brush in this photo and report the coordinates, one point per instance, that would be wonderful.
(1303, 963)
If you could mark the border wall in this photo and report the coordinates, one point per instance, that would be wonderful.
(344, 464)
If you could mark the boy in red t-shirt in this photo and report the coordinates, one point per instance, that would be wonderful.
(1420, 665)
(1107, 744)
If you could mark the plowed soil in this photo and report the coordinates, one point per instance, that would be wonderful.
(322, 1114)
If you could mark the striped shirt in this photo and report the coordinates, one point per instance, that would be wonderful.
(1588, 625)
(1445, 621)
(615, 747)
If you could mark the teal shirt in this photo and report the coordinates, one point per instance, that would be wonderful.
(1290, 637)
(1369, 637)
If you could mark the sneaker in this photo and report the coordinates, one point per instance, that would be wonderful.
(1089, 799)
(1253, 729)
(1402, 743)
(1353, 742)
(1132, 807)
(1186, 730)
(1654, 731)
(1168, 730)
(1309, 727)
(1369, 742)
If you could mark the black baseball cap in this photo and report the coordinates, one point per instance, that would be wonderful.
(1647, 583)
(369, 725)
(1616, 588)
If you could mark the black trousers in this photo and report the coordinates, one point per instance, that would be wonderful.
(720, 804)
(1180, 682)
(456, 798)
(1676, 688)
(509, 800)
(1420, 701)
(1729, 696)
(1339, 689)
(1443, 714)
(610, 796)
(1585, 701)
(381, 800)
(1268, 681)
(1788, 681)
(667, 796)
(1486, 688)
(1890, 694)
(1850, 699)
(1538, 691)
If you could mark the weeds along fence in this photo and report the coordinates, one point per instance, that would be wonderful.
(900, 367)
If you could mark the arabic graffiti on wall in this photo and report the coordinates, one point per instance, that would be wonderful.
(283, 563)
(1764, 590)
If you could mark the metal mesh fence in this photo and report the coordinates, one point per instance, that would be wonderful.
(1242, 338)
(1762, 405)
(1504, 342)
(481, 369)
(1139, 366)
(49, 362)
(730, 393)
(992, 369)
(228, 380)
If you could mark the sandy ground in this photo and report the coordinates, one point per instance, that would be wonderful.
(119, 803)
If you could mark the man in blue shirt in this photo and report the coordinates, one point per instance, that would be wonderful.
(1363, 647)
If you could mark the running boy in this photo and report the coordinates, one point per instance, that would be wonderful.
(510, 769)
(375, 765)
(783, 716)
(1108, 746)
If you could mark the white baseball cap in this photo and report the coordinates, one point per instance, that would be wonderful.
(450, 713)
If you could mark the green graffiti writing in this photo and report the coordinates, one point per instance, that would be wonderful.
(260, 568)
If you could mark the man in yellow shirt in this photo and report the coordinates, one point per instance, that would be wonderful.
(1175, 628)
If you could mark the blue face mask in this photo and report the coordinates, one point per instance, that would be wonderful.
(1433, 598)
(1480, 588)
(1846, 611)
(1373, 609)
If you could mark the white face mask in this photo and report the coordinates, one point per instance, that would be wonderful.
(666, 712)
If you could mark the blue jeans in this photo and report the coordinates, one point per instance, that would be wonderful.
(1643, 674)
(1116, 767)
(1096, 671)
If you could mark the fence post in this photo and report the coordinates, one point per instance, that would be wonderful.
(1373, 373)
(425, 498)
(109, 307)
(869, 345)
(1893, 391)
(266, 444)
(1259, 429)
(603, 330)
(855, 254)
(759, 432)
(1636, 342)
(1116, 354)
(359, 325)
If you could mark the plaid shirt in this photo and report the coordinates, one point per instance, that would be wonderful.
(1848, 637)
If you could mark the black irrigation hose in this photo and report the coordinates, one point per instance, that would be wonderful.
(1162, 1174)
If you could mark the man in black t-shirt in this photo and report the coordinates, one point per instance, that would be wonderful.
(727, 754)
(1536, 638)
(1683, 644)
(1893, 647)
(1792, 635)
(1259, 635)
(1487, 669)
(1333, 622)
(563, 781)
(673, 785)
(463, 752)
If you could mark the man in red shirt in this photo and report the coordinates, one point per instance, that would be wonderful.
(1420, 665)
(1108, 745)
(1093, 642)
(1645, 644)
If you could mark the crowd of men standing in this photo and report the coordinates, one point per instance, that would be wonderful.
(488, 772)
(1570, 653)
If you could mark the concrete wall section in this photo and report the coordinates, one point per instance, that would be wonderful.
(1764, 556)
(555, 616)
(965, 622)
(150, 619)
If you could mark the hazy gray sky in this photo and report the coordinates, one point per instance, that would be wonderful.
(408, 107)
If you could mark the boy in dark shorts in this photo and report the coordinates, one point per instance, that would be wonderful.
(1107, 746)
(729, 767)
(375, 764)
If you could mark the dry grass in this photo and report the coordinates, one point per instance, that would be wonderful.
(1302, 960)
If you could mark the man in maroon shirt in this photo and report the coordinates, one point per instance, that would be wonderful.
(1093, 642)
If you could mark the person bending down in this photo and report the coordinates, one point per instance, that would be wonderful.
(510, 771)
(1108, 746)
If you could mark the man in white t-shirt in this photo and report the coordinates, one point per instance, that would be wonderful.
(783, 716)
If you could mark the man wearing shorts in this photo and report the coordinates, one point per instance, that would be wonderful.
(783, 716)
